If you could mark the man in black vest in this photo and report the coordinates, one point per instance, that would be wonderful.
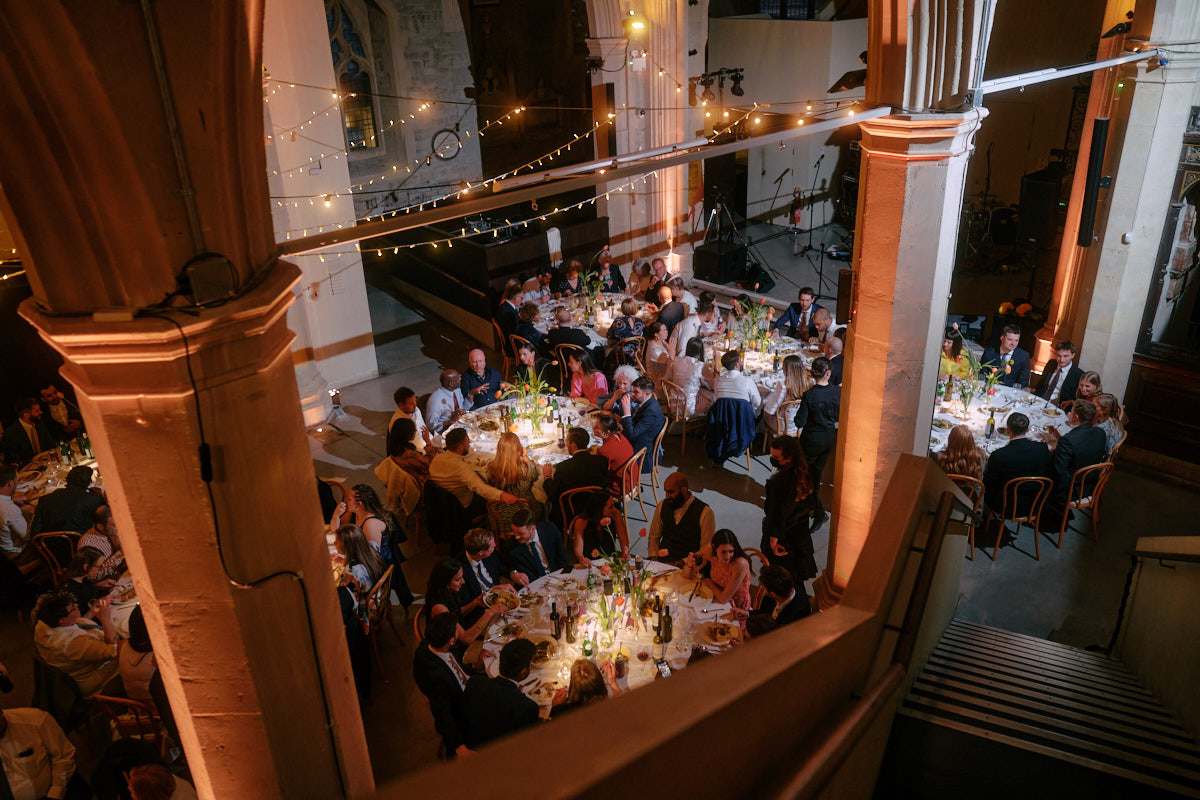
(686, 526)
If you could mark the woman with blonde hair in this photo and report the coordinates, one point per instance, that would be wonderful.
(1108, 419)
(641, 278)
(511, 470)
(962, 456)
(589, 684)
(796, 381)
(1089, 388)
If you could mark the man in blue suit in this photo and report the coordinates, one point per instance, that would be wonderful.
(535, 549)
(1011, 360)
(797, 321)
(642, 426)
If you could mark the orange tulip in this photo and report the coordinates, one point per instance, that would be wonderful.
(663, 553)
(499, 394)
(605, 569)
(595, 553)
(642, 533)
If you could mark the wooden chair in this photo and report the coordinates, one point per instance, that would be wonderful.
(631, 483)
(677, 411)
(638, 359)
(973, 489)
(656, 457)
(569, 500)
(561, 351)
(757, 592)
(56, 548)
(500, 514)
(379, 610)
(516, 341)
(1087, 486)
(1011, 510)
(132, 719)
(419, 626)
(783, 415)
(1112, 457)
(502, 347)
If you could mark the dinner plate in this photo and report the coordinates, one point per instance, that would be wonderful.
(942, 425)
(543, 691)
(507, 632)
(494, 596)
(533, 599)
(546, 648)
(720, 633)
(1052, 412)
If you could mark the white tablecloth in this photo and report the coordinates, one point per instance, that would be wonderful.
(484, 427)
(1042, 415)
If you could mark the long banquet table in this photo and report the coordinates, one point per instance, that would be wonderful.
(1042, 416)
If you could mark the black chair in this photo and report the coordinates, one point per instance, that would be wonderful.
(57, 693)
(445, 517)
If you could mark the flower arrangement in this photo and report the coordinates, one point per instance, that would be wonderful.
(1020, 310)
(968, 386)
(591, 284)
(530, 397)
(755, 319)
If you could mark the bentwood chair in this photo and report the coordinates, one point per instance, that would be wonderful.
(1023, 501)
(515, 342)
(638, 359)
(378, 609)
(677, 411)
(502, 346)
(783, 416)
(56, 548)
(1085, 491)
(132, 719)
(656, 457)
(1112, 457)
(631, 483)
(419, 621)
(973, 489)
(569, 504)
(500, 514)
(561, 352)
(757, 592)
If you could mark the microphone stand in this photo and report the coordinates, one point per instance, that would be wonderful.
(808, 248)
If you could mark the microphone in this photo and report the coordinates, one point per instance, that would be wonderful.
(785, 172)
(819, 160)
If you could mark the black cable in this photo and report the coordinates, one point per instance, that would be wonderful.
(204, 452)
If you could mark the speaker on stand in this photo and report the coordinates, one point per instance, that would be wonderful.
(719, 262)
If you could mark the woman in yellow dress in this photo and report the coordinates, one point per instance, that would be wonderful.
(953, 362)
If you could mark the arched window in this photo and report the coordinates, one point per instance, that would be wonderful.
(351, 65)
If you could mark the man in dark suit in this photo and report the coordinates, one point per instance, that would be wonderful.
(70, 508)
(442, 679)
(1011, 360)
(836, 344)
(797, 321)
(784, 602)
(642, 426)
(26, 437)
(1020, 458)
(1082, 446)
(610, 273)
(1060, 380)
(506, 312)
(670, 311)
(564, 333)
(660, 277)
(482, 569)
(534, 550)
(62, 420)
(580, 470)
(496, 707)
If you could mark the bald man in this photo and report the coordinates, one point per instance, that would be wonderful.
(687, 525)
(834, 347)
(480, 382)
(447, 402)
(822, 322)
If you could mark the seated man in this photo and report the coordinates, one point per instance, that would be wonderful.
(642, 426)
(103, 536)
(78, 648)
(481, 382)
(822, 323)
(35, 756)
(670, 311)
(449, 471)
(69, 508)
(732, 383)
(534, 550)
(506, 312)
(496, 707)
(582, 469)
(610, 274)
(834, 347)
(690, 327)
(1020, 458)
(564, 333)
(61, 420)
(1082, 446)
(687, 526)
(406, 407)
(797, 321)
(442, 679)
(538, 287)
(14, 539)
(447, 403)
(714, 326)
(785, 601)
(482, 569)
(26, 437)
(1060, 379)
(659, 267)
(1011, 360)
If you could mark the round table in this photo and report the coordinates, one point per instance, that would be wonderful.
(1042, 415)
(533, 617)
(46, 473)
(485, 426)
(604, 316)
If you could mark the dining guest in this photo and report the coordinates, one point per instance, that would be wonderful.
(450, 471)
(961, 456)
(565, 332)
(680, 294)
(834, 348)
(791, 510)
(953, 364)
(658, 277)
(612, 281)
(81, 581)
(1082, 446)
(797, 320)
(1060, 379)
(716, 325)
(529, 366)
(482, 570)
(85, 651)
(382, 531)
(533, 549)
(1108, 419)
(63, 421)
(26, 437)
(156, 782)
(582, 469)
(538, 287)
(104, 537)
(658, 353)
(643, 425)
(623, 378)
(571, 283)
(796, 381)
(1011, 360)
(403, 473)
(512, 471)
(36, 757)
(586, 381)
(1089, 387)
(822, 323)
(817, 419)
(407, 408)
(670, 311)
(14, 530)
(641, 278)
(481, 382)
(364, 565)
(442, 679)
(496, 707)
(733, 384)
(447, 403)
(136, 660)
(689, 327)
(506, 312)
(688, 373)
(442, 595)
(529, 315)
(598, 530)
(69, 508)
(784, 602)
(1020, 458)
(588, 684)
(627, 326)
(613, 446)
(682, 523)
(728, 570)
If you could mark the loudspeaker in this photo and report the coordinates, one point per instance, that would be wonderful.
(757, 279)
(719, 262)
(1038, 220)
(845, 296)
(1091, 191)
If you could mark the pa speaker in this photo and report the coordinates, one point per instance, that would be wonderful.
(719, 262)
(1038, 220)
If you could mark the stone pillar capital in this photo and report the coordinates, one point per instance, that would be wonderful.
(916, 136)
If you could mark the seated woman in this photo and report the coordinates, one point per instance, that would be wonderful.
(641, 278)
(616, 448)
(589, 684)
(527, 317)
(627, 326)
(364, 565)
(728, 570)
(687, 372)
(530, 365)
(599, 530)
(586, 381)
(623, 378)
(80, 584)
(363, 508)
(510, 470)
(136, 660)
(658, 356)
(796, 381)
(441, 595)
(571, 283)
(1089, 387)
(1108, 419)
(612, 281)
(404, 472)
(961, 455)
(954, 364)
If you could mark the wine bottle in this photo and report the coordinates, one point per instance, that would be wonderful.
(85, 445)
(570, 624)
(658, 649)
(591, 580)
(991, 423)
(555, 622)
(668, 625)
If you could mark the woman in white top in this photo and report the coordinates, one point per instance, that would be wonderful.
(687, 372)
(796, 381)
(658, 356)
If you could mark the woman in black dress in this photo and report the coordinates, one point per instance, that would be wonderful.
(790, 507)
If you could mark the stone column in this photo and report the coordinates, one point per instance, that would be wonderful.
(913, 169)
